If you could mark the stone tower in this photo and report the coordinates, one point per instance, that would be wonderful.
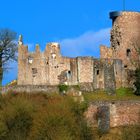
(125, 37)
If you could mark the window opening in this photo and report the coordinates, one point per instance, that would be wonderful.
(125, 66)
(34, 71)
(128, 52)
(97, 72)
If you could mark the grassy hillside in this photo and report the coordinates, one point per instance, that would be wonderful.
(121, 94)
(42, 117)
(53, 117)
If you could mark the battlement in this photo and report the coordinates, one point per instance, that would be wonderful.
(109, 72)
(51, 45)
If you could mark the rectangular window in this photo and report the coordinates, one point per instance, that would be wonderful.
(128, 52)
(97, 72)
(34, 71)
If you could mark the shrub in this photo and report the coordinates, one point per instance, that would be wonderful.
(41, 116)
(63, 88)
(60, 120)
(16, 119)
(3, 130)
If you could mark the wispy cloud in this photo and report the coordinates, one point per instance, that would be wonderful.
(85, 44)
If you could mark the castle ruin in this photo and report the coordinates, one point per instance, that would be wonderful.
(112, 70)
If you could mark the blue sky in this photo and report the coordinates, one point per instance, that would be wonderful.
(80, 26)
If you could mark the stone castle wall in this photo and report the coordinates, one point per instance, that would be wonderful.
(120, 113)
(30, 89)
(111, 71)
(85, 69)
(125, 40)
(106, 52)
(50, 68)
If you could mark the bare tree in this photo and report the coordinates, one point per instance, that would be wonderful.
(8, 49)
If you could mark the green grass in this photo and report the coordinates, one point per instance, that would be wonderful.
(121, 94)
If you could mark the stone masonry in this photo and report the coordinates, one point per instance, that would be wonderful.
(121, 113)
(108, 72)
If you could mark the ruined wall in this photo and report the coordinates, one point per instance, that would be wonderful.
(39, 68)
(109, 76)
(74, 71)
(98, 75)
(113, 70)
(119, 73)
(125, 40)
(85, 69)
(31, 67)
(121, 113)
(125, 34)
(106, 52)
(50, 68)
(22, 55)
(30, 89)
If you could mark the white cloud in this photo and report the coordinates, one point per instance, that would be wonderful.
(86, 44)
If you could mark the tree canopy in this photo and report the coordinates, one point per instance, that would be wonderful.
(8, 49)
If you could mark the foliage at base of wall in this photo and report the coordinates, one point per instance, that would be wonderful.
(63, 88)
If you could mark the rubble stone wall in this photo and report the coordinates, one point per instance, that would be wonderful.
(121, 113)
(125, 36)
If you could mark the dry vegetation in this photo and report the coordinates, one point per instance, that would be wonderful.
(53, 117)
(42, 117)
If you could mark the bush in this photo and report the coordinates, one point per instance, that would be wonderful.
(63, 88)
(60, 120)
(42, 116)
(15, 119)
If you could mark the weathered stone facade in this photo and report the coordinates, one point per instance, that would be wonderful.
(121, 113)
(109, 72)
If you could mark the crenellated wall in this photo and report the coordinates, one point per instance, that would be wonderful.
(41, 68)
(106, 52)
(50, 68)
(113, 70)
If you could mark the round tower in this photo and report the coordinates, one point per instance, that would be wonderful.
(125, 37)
